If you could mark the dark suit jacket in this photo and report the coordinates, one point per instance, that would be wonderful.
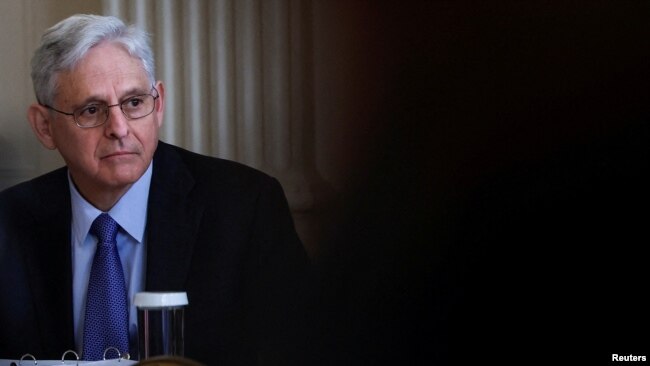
(216, 229)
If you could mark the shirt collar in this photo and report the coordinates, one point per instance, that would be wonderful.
(130, 211)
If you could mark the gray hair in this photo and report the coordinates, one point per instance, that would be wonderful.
(67, 42)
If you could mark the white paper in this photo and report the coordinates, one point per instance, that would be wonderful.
(30, 362)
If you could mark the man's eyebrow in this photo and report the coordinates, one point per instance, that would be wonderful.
(135, 91)
(96, 99)
(93, 99)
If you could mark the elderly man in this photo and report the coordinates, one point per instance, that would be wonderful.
(129, 213)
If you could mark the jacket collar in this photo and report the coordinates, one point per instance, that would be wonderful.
(172, 221)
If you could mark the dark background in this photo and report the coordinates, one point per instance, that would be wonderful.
(498, 212)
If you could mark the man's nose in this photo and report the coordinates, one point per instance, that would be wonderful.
(117, 125)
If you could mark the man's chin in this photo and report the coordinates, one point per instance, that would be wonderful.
(121, 178)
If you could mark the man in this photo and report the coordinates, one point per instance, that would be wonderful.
(218, 230)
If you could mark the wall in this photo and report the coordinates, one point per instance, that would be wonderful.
(22, 22)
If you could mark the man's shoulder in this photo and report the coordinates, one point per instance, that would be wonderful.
(182, 170)
(32, 189)
(43, 196)
(211, 169)
(206, 180)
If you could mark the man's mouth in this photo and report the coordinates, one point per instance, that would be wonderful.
(117, 154)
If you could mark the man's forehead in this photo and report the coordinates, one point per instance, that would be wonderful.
(103, 71)
(106, 57)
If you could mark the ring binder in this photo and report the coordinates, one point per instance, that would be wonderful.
(69, 351)
(122, 359)
(27, 355)
(119, 355)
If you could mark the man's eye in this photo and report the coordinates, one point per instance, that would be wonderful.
(133, 103)
(89, 111)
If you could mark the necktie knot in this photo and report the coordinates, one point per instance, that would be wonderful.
(104, 228)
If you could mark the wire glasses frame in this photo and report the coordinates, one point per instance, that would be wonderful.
(134, 107)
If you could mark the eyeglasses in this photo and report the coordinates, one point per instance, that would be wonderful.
(96, 114)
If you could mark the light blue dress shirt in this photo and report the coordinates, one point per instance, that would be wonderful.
(130, 212)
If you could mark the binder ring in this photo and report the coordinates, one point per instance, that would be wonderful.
(66, 353)
(119, 354)
(27, 355)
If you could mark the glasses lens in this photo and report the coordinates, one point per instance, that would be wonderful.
(138, 106)
(133, 108)
(90, 115)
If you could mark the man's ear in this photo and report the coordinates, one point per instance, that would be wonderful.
(40, 120)
(160, 105)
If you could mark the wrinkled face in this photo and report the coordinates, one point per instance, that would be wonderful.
(112, 156)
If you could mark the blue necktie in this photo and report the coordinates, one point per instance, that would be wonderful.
(107, 317)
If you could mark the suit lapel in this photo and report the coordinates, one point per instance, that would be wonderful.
(172, 222)
(50, 263)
